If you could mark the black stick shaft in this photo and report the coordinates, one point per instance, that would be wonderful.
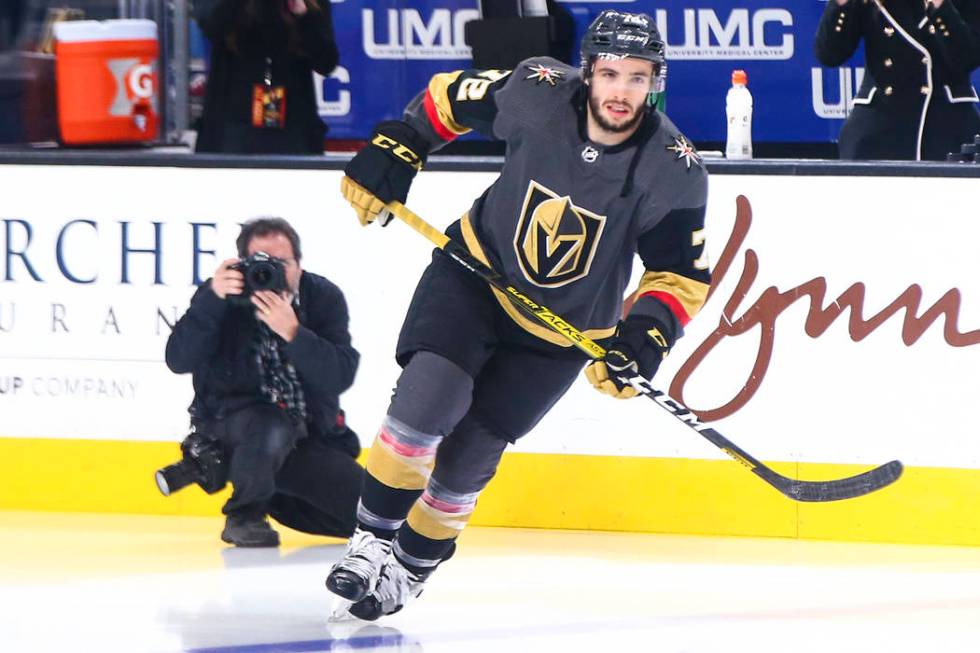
(794, 489)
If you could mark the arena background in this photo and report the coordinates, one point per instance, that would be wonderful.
(389, 49)
(93, 275)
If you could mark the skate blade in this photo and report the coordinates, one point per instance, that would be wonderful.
(341, 611)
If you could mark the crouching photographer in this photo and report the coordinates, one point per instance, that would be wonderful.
(270, 352)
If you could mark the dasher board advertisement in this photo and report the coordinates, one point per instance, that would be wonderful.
(842, 326)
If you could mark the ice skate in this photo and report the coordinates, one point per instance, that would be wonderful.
(356, 574)
(396, 585)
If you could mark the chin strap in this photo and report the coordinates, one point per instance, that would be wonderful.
(637, 153)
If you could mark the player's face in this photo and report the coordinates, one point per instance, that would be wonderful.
(618, 92)
(277, 244)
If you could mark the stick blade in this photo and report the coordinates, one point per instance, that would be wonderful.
(836, 490)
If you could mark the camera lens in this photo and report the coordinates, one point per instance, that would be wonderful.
(262, 276)
(175, 477)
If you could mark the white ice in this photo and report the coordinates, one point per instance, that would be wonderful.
(101, 583)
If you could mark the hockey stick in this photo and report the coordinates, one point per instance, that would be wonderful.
(844, 488)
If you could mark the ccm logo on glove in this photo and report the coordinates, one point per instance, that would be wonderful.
(399, 150)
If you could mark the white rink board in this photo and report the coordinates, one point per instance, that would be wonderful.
(830, 398)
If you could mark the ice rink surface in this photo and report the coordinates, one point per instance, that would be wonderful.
(133, 584)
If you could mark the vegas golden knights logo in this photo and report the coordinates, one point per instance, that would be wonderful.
(555, 240)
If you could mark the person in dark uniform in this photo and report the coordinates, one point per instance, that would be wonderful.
(916, 101)
(11, 21)
(268, 370)
(260, 97)
(593, 176)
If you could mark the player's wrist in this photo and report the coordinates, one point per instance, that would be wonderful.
(647, 340)
(387, 166)
(401, 142)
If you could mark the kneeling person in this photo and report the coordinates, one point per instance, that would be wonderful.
(270, 352)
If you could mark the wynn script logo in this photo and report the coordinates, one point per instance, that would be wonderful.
(766, 311)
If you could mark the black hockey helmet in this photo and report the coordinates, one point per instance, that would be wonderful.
(617, 34)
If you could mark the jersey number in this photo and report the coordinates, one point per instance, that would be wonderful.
(697, 238)
(475, 88)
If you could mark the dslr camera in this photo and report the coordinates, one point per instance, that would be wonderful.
(261, 272)
(204, 462)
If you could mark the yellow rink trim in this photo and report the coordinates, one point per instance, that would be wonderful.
(928, 505)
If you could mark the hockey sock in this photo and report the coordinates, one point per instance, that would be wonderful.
(435, 521)
(379, 500)
(432, 395)
(398, 468)
(420, 554)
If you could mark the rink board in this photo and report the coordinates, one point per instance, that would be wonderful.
(531, 490)
(92, 275)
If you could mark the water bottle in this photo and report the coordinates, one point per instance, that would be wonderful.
(534, 8)
(738, 107)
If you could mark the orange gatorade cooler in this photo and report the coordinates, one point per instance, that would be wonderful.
(106, 74)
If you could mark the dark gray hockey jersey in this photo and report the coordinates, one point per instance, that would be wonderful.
(566, 216)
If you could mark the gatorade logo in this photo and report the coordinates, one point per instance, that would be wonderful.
(140, 81)
(135, 81)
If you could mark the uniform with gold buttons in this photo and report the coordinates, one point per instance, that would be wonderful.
(915, 100)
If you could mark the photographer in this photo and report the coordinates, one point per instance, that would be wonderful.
(270, 352)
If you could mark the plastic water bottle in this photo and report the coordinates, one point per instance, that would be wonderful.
(534, 8)
(738, 107)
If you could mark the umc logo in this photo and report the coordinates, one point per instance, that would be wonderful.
(848, 81)
(556, 240)
(703, 34)
(339, 104)
(405, 34)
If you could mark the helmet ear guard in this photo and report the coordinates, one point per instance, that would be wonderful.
(659, 84)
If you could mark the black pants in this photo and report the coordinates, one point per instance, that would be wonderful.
(303, 482)
(517, 376)
(317, 488)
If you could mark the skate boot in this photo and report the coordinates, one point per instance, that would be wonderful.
(396, 585)
(356, 574)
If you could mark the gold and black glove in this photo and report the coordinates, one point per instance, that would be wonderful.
(383, 171)
(633, 357)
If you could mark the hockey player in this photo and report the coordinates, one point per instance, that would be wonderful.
(592, 175)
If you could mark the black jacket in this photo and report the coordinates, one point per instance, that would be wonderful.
(916, 86)
(214, 340)
(226, 122)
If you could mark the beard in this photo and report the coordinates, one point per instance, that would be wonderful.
(596, 109)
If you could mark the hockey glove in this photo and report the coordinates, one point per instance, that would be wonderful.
(383, 171)
(633, 357)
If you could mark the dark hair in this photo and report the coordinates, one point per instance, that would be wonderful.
(270, 19)
(258, 227)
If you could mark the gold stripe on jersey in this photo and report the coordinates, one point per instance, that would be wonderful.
(535, 329)
(398, 471)
(690, 293)
(439, 91)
